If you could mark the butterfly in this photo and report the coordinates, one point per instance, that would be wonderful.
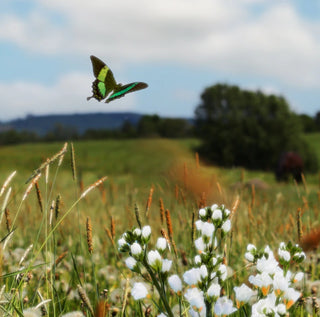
(105, 83)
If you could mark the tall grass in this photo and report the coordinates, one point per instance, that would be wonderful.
(59, 230)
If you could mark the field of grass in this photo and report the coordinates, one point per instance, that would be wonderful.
(59, 267)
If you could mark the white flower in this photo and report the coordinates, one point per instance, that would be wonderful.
(280, 283)
(284, 254)
(207, 229)
(223, 271)
(73, 314)
(32, 312)
(154, 258)
(224, 306)
(121, 242)
(227, 212)
(146, 232)
(161, 244)
(269, 265)
(214, 290)
(203, 271)
(192, 277)
(298, 277)
(300, 255)
(264, 307)
(249, 256)
(213, 207)
(175, 283)
(131, 262)
(214, 261)
(197, 259)
(139, 291)
(195, 297)
(136, 248)
(199, 223)
(137, 232)
(263, 281)
(200, 245)
(166, 265)
(291, 296)
(217, 214)
(243, 293)
(162, 315)
(202, 212)
(281, 309)
(226, 226)
(251, 247)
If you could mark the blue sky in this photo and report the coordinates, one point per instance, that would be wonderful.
(178, 47)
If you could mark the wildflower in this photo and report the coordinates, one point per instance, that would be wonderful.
(268, 265)
(217, 214)
(121, 242)
(226, 226)
(203, 271)
(200, 245)
(195, 298)
(199, 224)
(299, 257)
(249, 256)
(280, 284)
(224, 306)
(175, 283)
(281, 309)
(262, 281)
(214, 290)
(131, 263)
(139, 291)
(197, 259)
(192, 276)
(161, 244)
(284, 254)
(227, 212)
(146, 232)
(213, 207)
(223, 272)
(243, 294)
(166, 265)
(291, 296)
(298, 277)
(264, 307)
(207, 229)
(202, 212)
(154, 259)
(136, 249)
(137, 232)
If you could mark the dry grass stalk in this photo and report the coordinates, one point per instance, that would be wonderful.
(253, 195)
(149, 201)
(47, 162)
(193, 227)
(25, 254)
(299, 224)
(311, 241)
(73, 163)
(109, 234)
(101, 309)
(61, 257)
(6, 182)
(28, 190)
(89, 235)
(161, 205)
(203, 200)
(4, 204)
(197, 160)
(46, 173)
(169, 224)
(176, 192)
(64, 150)
(164, 234)
(219, 189)
(112, 228)
(94, 185)
(235, 206)
(137, 214)
(304, 182)
(251, 218)
(8, 220)
(39, 197)
(185, 175)
(57, 208)
(125, 297)
(84, 298)
(51, 211)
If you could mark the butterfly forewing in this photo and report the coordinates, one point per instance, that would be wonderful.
(125, 89)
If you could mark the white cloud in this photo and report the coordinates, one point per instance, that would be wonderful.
(67, 95)
(219, 34)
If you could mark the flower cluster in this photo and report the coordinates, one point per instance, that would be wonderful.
(275, 283)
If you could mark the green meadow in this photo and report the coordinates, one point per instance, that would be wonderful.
(74, 237)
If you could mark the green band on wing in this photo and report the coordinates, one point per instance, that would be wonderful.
(103, 73)
(102, 88)
(123, 91)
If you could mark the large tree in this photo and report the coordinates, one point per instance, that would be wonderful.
(246, 128)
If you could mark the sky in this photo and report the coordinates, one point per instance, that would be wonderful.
(178, 47)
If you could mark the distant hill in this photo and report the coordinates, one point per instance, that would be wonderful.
(81, 122)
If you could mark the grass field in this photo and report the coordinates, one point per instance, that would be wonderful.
(140, 173)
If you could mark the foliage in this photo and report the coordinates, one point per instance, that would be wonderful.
(245, 128)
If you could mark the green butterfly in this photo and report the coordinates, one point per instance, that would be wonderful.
(105, 83)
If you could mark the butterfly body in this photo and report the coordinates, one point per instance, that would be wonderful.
(105, 83)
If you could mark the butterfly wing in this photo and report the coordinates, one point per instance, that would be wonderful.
(105, 82)
(121, 91)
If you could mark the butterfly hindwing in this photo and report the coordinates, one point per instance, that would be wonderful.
(125, 89)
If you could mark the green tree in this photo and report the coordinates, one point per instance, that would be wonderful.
(245, 128)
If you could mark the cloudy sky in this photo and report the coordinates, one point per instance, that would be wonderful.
(178, 47)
